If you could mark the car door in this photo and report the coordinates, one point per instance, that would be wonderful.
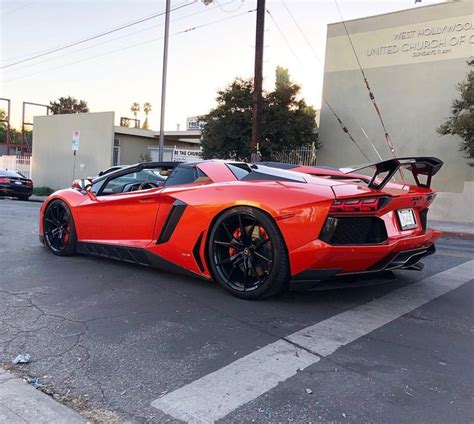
(121, 212)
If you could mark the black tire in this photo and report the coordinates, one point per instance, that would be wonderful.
(59, 229)
(23, 198)
(253, 266)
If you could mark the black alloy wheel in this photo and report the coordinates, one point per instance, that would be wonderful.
(59, 230)
(247, 253)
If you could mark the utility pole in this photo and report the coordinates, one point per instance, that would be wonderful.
(163, 81)
(257, 85)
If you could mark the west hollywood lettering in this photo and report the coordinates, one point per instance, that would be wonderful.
(430, 40)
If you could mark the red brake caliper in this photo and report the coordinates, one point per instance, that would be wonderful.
(236, 235)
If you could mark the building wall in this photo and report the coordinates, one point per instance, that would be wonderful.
(52, 156)
(413, 60)
(132, 147)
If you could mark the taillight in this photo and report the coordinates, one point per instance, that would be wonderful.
(4, 180)
(29, 183)
(361, 204)
(430, 198)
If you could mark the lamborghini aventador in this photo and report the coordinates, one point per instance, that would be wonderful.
(256, 229)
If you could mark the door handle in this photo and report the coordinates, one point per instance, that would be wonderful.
(146, 200)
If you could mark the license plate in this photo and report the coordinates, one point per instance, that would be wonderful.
(18, 183)
(407, 219)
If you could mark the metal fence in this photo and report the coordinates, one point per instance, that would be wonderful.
(301, 156)
(21, 164)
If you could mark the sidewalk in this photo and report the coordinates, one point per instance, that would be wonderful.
(22, 403)
(39, 199)
(457, 230)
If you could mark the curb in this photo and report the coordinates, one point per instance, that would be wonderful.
(457, 235)
(21, 400)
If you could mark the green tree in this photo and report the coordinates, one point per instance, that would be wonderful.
(228, 128)
(147, 110)
(288, 122)
(3, 127)
(68, 105)
(15, 135)
(135, 108)
(461, 121)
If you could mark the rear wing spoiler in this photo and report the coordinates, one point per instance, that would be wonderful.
(419, 166)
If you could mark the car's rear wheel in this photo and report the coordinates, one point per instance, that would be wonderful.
(247, 254)
(24, 197)
(59, 230)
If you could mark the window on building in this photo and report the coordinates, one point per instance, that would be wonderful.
(116, 153)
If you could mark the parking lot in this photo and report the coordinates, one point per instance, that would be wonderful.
(120, 342)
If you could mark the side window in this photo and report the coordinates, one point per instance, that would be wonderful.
(181, 175)
(133, 181)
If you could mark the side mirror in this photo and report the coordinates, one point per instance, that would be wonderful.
(82, 184)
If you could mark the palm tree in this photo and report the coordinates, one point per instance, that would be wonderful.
(147, 110)
(135, 108)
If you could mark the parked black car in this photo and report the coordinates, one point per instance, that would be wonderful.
(14, 184)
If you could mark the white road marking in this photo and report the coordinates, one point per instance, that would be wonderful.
(217, 394)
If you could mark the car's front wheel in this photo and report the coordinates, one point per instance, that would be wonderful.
(59, 230)
(247, 254)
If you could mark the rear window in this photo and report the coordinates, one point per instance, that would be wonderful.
(240, 170)
(8, 173)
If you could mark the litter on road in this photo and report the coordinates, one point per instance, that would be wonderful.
(22, 359)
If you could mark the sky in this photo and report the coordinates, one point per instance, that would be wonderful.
(113, 71)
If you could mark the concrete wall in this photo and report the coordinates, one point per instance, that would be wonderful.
(52, 156)
(132, 147)
(413, 60)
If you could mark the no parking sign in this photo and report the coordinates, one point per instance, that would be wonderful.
(75, 140)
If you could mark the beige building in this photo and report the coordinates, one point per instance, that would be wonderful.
(101, 144)
(413, 60)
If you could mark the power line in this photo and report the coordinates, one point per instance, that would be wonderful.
(371, 94)
(14, 9)
(284, 37)
(302, 33)
(85, 40)
(230, 11)
(339, 120)
(131, 46)
(215, 22)
(112, 39)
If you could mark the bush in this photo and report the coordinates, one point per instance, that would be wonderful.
(43, 191)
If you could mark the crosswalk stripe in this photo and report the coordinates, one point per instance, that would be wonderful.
(217, 394)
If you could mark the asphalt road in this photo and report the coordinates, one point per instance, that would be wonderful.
(109, 338)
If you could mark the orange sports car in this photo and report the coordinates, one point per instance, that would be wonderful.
(257, 229)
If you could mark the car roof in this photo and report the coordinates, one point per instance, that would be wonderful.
(10, 173)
